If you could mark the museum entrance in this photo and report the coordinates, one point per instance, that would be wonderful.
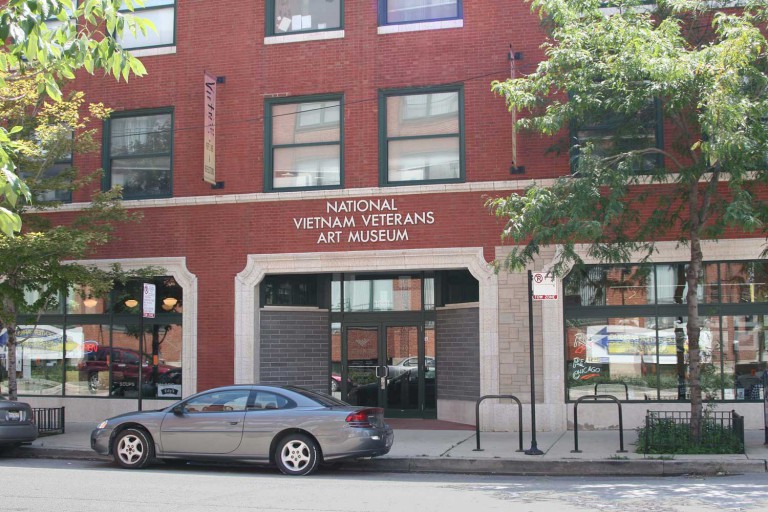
(384, 350)
(383, 342)
(390, 365)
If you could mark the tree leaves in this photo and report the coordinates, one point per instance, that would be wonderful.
(708, 69)
(31, 48)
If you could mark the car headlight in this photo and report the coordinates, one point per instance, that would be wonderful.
(103, 424)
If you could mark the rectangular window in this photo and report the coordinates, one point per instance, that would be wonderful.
(303, 143)
(138, 153)
(744, 282)
(162, 13)
(422, 136)
(614, 134)
(644, 346)
(52, 173)
(290, 16)
(411, 11)
(52, 182)
(615, 351)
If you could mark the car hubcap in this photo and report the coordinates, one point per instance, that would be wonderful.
(295, 455)
(130, 449)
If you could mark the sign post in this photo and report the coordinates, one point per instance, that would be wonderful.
(540, 287)
(148, 297)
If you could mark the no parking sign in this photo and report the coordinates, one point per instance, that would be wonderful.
(544, 286)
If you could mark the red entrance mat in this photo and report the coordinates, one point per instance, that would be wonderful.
(420, 424)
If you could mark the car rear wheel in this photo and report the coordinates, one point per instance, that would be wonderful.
(133, 449)
(297, 455)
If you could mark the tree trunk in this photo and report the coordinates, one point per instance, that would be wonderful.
(694, 326)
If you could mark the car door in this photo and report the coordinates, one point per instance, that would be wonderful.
(269, 413)
(206, 424)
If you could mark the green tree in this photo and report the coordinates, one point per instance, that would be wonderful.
(606, 65)
(39, 265)
(50, 40)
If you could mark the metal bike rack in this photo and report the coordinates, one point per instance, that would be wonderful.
(576, 421)
(477, 418)
(626, 388)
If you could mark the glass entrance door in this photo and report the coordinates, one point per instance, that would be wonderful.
(361, 368)
(390, 366)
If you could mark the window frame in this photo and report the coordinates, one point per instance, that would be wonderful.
(137, 12)
(662, 310)
(68, 162)
(383, 19)
(384, 140)
(658, 132)
(269, 147)
(270, 25)
(107, 149)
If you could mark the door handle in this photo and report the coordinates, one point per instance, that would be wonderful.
(234, 422)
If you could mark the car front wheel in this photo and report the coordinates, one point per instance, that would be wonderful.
(297, 455)
(133, 449)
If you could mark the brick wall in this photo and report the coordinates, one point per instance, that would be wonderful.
(294, 348)
(458, 354)
(216, 238)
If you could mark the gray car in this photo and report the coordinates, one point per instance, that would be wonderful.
(17, 423)
(291, 427)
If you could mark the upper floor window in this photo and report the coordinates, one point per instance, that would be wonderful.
(410, 11)
(613, 134)
(422, 136)
(303, 143)
(290, 16)
(55, 173)
(162, 13)
(50, 176)
(138, 153)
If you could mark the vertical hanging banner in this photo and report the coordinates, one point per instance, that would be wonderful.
(209, 152)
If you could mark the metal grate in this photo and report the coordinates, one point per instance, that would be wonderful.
(49, 420)
(669, 432)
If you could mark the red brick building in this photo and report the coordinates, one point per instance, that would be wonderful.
(342, 231)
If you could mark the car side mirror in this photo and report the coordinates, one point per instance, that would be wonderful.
(179, 410)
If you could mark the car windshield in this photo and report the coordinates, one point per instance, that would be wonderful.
(320, 398)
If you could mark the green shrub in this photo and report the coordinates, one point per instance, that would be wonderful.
(674, 436)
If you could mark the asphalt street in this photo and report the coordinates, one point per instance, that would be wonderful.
(77, 485)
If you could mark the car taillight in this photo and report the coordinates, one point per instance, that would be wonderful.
(365, 418)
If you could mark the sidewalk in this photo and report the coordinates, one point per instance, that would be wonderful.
(453, 451)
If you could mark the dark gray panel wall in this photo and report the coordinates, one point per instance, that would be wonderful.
(294, 348)
(458, 354)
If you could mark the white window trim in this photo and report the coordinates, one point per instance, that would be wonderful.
(176, 267)
(419, 26)
(304, 37)
(152, 52)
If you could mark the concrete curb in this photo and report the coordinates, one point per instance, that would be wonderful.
(513, 467)
(581, 467)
